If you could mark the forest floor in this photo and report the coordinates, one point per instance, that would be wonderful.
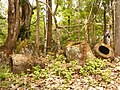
(58, 77)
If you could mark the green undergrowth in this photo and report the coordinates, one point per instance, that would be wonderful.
(57, 67)
(93, 67)
(96, 67)
(5, 72)
(60, 68)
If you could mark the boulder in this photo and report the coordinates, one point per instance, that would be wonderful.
(78, 51)
(21, 63)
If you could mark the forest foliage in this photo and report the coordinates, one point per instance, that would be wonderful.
(72, 21)
(72, 18)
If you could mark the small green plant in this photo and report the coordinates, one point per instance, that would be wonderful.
(38, 72)
(93, 82)
(67, 74)
(4, 72)
(59, 69)
(44, 73)
(93, 67)
(3, 76)
(106, 76)
(96, 67)
(60, 58)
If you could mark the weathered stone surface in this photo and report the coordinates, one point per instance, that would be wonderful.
(20, 62)
(78, 51)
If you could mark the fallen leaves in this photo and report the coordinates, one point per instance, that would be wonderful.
(54, 82)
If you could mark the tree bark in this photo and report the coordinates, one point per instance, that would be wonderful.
(49, 27)
(26, 15)
(45, 36)
(13, 25)
(57, 30)
(117, 28)
(37, 28)
(105, 24)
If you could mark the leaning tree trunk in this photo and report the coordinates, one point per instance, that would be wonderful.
(13, 25)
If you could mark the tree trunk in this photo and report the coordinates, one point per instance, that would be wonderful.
(49, 27)
(45, 35)
(105, 24)
(26, 15)
(117, 28)
(57, 30)
(37, 28)
(69, 17)
(112, 23)
(13, 25)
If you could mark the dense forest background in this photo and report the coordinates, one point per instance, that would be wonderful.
(72, 43)
(65, 21)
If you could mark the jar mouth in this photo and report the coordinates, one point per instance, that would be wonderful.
(104, 50)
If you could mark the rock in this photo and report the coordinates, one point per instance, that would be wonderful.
(78, 51)
(21, 63)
